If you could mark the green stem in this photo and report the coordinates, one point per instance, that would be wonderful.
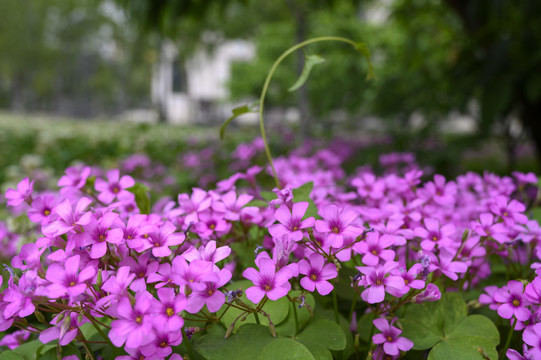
(188, 343)
(507, 341)
(268, 79)
(297, 325)
(352, 309)
(97, 326)
(256, 318)
(335, 306)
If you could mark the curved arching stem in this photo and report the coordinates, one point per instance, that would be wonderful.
(358, 46)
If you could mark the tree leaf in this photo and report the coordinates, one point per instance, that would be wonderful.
(324, 332)
(141, 197)
(284, 348)
(236, 113)
(309, 62)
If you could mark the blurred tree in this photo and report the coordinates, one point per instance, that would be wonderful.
(73, 57)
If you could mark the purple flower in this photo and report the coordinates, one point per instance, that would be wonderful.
(161, 240)
(192, 275)
(431, 293)
(377, 281)
(317, 274)
(392, 343)
(160, 347)
(290, 221)
(15, 339)
(513, 302)
(167, 312)
(267, 281)
(410, 279)
(432, 234)
(41, 209)
(69, 219)
(65, 329)
(208, 252)
(374, 249)
(19, 297)
(98, 234)
(67, 279)
(134, 323)
(115, 187)
(532, 337)
(23, 193)
(514, 355)
(73, 180)
(337, 224)
(141, 268)
(209, 295)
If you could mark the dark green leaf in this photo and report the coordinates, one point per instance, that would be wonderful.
(324, 332)
(285, 348)
(426, 324)
(309, 62)
(287, 327)
(277, 310)
(476, 325)
(10, 355)
(141, 197)
(247, 343)
(464, 348)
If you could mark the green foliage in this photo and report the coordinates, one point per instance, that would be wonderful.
(142, 198)
(444, 327)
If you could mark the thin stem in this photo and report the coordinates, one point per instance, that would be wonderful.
(256, 318)
(335, 305)
(297, 325)
(97, 326)
(188, 344)
(508, 340)
(88, 350)
(266, 87)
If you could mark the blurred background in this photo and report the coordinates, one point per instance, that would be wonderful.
(458, 82)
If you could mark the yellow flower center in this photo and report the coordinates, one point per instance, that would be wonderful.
(46, 212)
(170, 311)
(313, 277)
(335, 230)
(139, 319)
(516, 302)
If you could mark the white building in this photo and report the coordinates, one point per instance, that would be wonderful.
(196, 92)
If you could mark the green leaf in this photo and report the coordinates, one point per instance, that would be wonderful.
(29, 349)
(287, 327)
(302, 193)
(237, 112)
(268, 195)
(464, 348)
(10, 355)
(324, 332)
(318, 351)
(284, 348)
(309, 62)
(364, 326)
(426, 324)
(141, 197)
(247, 343)
(278, 310)
(476, 325)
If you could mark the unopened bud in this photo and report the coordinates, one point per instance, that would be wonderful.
(40, 317)
(272, 329)
(229, 330)
(99, 279)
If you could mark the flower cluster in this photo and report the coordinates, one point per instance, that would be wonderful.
(99, 260)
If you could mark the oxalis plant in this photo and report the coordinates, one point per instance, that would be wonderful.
(324, 266)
